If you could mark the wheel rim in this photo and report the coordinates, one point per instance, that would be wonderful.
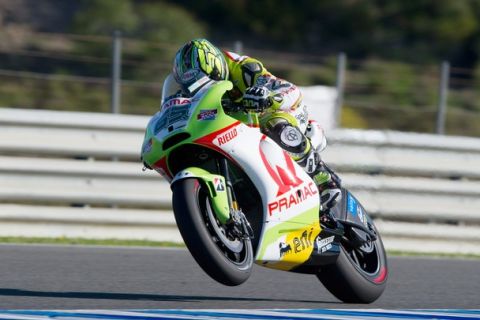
(365, 258)
(235, 250)
(234, 245)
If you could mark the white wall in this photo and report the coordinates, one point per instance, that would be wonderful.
(320, 101)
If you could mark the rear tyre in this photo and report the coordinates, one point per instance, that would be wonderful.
(223, 257)
(359, 274)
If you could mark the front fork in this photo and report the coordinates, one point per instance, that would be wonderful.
(223, 168)
(238, 223)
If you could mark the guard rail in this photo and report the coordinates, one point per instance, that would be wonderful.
(76, 174)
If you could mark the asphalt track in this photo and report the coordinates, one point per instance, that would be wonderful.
(75, 277)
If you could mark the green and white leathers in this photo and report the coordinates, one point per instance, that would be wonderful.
(199, 57)
(287, 107)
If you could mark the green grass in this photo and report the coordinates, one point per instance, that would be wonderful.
(147, 243)
(93, 242)
(432, 254)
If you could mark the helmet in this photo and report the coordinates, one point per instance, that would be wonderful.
(197, 59)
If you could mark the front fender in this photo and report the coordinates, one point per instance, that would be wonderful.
(217, 189)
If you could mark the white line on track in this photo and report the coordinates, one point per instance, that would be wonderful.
(238, 314)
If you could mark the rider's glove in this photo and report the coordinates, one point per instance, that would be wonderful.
(257, 99)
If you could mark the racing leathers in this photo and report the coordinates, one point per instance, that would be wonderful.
(284, 118)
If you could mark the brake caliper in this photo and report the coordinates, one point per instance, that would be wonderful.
(239, 225)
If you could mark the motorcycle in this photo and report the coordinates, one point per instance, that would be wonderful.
(238, 198)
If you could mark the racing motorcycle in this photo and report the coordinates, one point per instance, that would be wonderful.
(238, 199)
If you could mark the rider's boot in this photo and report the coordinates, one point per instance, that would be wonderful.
(328, 185)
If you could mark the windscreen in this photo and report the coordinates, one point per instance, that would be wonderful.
(170, 88)
(173, 88)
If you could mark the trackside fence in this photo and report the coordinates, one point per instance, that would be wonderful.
(67, 174)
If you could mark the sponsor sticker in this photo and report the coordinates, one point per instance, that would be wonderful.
(189, 75)
(219, 186)
(209, 114)
(296, 242)
(292, 199)
(175, 102)
(226, 137)
(172, 113)
(324, 245)
(284, 248)
(351, 204)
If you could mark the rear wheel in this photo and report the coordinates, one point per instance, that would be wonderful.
(226, 258)
(360, 273)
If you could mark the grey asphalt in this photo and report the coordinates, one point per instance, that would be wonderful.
(76, 277)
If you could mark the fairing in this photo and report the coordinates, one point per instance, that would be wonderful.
(289, 197)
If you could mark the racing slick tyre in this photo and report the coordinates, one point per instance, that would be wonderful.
(359, 274)
(225, 258)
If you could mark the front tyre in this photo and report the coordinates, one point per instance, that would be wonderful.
(223, 257)
(359, 274)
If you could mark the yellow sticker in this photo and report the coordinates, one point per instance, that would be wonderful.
(296, 247)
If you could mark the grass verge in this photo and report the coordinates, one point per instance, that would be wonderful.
(147, 243)
(432, 254)
(93, 242)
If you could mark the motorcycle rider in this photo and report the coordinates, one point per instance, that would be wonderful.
(283, 116)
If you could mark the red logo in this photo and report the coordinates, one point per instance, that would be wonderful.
(295, 198)
(226, 137)
(175, 102)
(285, 177)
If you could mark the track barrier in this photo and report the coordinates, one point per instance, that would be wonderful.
(70, 174)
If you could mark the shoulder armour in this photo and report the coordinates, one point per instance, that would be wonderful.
(249, 71)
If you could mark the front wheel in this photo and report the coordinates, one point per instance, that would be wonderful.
(225, 258)
(359, 274)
